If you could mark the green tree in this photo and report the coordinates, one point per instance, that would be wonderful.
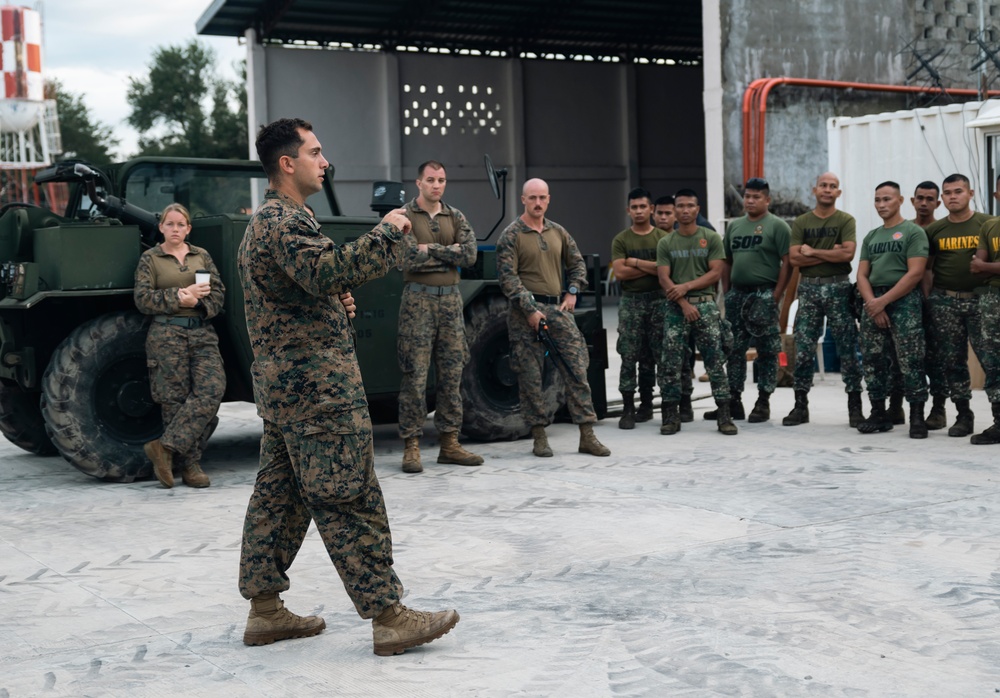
(83, 136)
(183, 108)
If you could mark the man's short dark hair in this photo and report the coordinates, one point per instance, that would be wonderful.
(433, 164)
(758, 184)
(928, 185)
(889, 183)
(952, 178)
(639, 193)
(665, 200)
(690, 193)
(277, 139)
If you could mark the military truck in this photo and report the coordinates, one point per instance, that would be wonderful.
(73, 374)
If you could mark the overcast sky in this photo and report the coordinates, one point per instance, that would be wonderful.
(94, 46)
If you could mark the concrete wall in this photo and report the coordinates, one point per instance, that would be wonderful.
(860, 41)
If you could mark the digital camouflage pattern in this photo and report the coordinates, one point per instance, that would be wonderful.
(989, 315)
(430, 328)
(933, 365)
(753, 316)
(832, 301)
(320, 469)
(316, 453)
(186, 375)
(450, 241)
(708, 333)
(527, 353)
(906, 332)
(954, 323)
(640, 340)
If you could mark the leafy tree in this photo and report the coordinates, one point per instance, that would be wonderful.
(82, 135)
(183, 108)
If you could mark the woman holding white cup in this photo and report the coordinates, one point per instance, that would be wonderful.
(179, 285)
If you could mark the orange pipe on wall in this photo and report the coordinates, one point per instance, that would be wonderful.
(755, 110)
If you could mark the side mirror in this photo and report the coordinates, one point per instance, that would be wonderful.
(495, 178)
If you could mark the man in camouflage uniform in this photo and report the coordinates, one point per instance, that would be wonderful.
(754, 279)
(689, 263)
(317, 460)
(953, 295)
(892, 263)
(822, 247)
(431, 323)
(533, 253)
(987, 263)
(640, 310)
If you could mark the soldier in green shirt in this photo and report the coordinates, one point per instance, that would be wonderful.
(952, 291)
(893, 259)
(987, 263)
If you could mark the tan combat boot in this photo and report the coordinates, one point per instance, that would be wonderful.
(270, 621)
(452, 451)
(163, 462)
(590, 444)
(541, 445)
(399, 628)
(411, 456)
(194, 476)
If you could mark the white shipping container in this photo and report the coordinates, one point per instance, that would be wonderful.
(910, 147)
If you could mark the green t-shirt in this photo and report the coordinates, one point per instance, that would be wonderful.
(823, 234)
(628, 244)
(688, 255)
(755, 249)
(888, 249)
(952, 246)
(989, 240)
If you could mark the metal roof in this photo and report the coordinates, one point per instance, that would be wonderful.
(668, 29)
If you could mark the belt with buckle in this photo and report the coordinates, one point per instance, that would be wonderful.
(700, 299)
(962, 295)
(542, 298)
(753, 289)
(645, 295)
(820, 280)
(188, 322)
(432, 290)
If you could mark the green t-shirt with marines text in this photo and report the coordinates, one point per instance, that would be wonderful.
(952, 246)
(755, 249)
(629, 244)
(989, 240)
(688, 255)
(823, 234)
(888, 249)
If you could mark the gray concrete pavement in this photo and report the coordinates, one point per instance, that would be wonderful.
(807, 561)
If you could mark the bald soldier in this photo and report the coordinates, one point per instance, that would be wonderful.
(822, 247)
(534, 255)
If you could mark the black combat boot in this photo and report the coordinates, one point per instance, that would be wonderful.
(735, 409)
(878, 420)
(761, 411)
(918, 427)
(724, 418)
(896, 411)
(686, 410)
(671, 423)
(937, 419)
(645, 411)
(854, 413)
(627, 420)
(800, 412)
(992, 433)
(965, 422)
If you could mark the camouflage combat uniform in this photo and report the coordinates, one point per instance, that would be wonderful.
(826, 290)
(688, 258)
(186, 375)
(431, 320)
(530, 269)
(317, 460)
(754, 250)
(954, 300)
(989, 312)
(887, 251)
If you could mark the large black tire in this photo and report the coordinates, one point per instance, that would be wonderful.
(21, 420)
(96, 401)
(491, 405)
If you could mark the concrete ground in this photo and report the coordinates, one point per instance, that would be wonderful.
(807, 561)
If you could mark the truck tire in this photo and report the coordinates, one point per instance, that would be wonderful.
(491, 405)
(96, 401)
(21, 420)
